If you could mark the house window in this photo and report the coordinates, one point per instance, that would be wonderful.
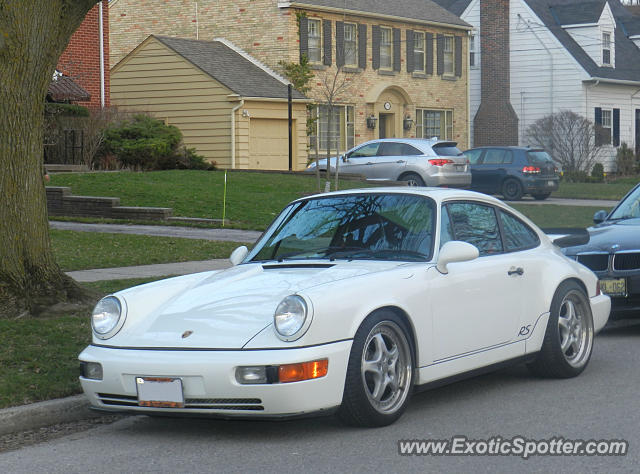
(605, 132)
(472, 51)
(434, 123)
(606, 49)
(341, 136)
(350, 44)
(418, 51)
(385, 48)
(448, 55)
(315, 41)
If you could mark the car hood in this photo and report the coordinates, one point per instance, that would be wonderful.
(225, 310)
(625, 235)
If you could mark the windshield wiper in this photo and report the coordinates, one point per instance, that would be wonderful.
(387, 254)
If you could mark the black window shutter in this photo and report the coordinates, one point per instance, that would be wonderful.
(616, 127)
(375, 38)
(326, 37)
(397, 55)
(410, 62)
(598, 120)
(304, 36)
(429, 53)
(339, 43)
(440, 53)
(362, 46)
(458, 54)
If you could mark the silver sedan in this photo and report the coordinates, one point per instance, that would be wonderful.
(418, 161)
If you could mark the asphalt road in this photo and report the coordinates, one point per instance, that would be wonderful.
(600, 404)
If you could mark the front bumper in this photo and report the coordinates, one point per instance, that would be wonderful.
(600, 309)
(209, 383)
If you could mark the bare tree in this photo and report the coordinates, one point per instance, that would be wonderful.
(33, 35)
(568, 137)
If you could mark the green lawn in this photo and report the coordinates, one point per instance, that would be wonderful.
(613, 191)
(87, 250)
(551, 215)
(253, 199)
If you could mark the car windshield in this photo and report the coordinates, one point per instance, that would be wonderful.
(539, 157)
(629, 208)
(351, 226)
(446, 149)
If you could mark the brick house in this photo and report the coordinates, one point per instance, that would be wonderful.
(403, 63)
(81, 61)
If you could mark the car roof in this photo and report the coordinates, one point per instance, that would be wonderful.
(437, 194)
(420, 142)
(507, 147)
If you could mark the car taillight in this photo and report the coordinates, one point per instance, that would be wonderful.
(440, 161)
(531, 170)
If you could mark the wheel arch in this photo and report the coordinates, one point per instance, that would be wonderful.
(402, 314)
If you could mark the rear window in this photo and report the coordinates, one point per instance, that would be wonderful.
(538, 157)
(447, 149)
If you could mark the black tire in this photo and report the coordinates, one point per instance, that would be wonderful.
(412, 179)
(568, 340)
(541, 196)
(512, 189)
(382, 340)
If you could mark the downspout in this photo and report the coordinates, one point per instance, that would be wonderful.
(233, 133)
(469, 119)
(101, 27)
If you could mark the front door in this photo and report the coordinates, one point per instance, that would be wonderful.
(385, 126)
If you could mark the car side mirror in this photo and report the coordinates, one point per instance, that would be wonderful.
(600, 216)
(345, 158)
(455, 251)
(238, 255)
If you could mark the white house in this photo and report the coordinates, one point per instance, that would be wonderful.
(580, 55)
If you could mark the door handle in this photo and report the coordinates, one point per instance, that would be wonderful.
(514, 270)
(400, 161)
(369, 163)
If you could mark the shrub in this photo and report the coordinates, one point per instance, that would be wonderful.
(625, 160)
(597, 173)
(145, 143)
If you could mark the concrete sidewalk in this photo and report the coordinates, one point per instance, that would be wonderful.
(149, 271)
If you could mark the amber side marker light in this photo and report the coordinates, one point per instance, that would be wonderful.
(303, 371)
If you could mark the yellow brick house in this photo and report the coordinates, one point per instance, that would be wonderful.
(397, 69)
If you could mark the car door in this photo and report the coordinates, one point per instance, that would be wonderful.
(361, 160)
(392, 159)
(490, 172)
(478, 304)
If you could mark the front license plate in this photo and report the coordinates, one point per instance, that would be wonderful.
(550, 183)
(160, 392)
(614, 286)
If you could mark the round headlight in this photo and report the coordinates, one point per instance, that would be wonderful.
(106, 315)
(290, 316)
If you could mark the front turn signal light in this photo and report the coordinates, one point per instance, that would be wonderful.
(303, 371)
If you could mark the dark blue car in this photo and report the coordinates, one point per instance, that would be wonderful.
(512, 171)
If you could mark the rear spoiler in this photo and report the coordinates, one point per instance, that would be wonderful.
(567, 237)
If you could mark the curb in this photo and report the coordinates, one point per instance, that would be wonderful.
(40, 414)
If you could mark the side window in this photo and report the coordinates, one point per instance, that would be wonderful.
(391, 149)
(408, 150)
(476, 224)
(367, 150)
(494, 157)
(517, 235)
(446, 232)
(473, 156)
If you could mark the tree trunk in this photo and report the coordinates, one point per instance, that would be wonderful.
(33, 34)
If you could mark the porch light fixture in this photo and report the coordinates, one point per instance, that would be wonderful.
(407, 122)
(371, 121)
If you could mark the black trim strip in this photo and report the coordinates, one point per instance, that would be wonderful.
(207, 349)
(471, 353)
(475, 372)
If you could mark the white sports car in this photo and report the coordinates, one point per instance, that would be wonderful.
(349, 301)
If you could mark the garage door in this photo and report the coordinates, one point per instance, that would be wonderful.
(269, 144)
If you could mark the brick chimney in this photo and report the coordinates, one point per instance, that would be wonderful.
(495, 123)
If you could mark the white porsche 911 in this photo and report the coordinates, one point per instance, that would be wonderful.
(349, 301)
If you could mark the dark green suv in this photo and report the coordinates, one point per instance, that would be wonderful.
(512, 171)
